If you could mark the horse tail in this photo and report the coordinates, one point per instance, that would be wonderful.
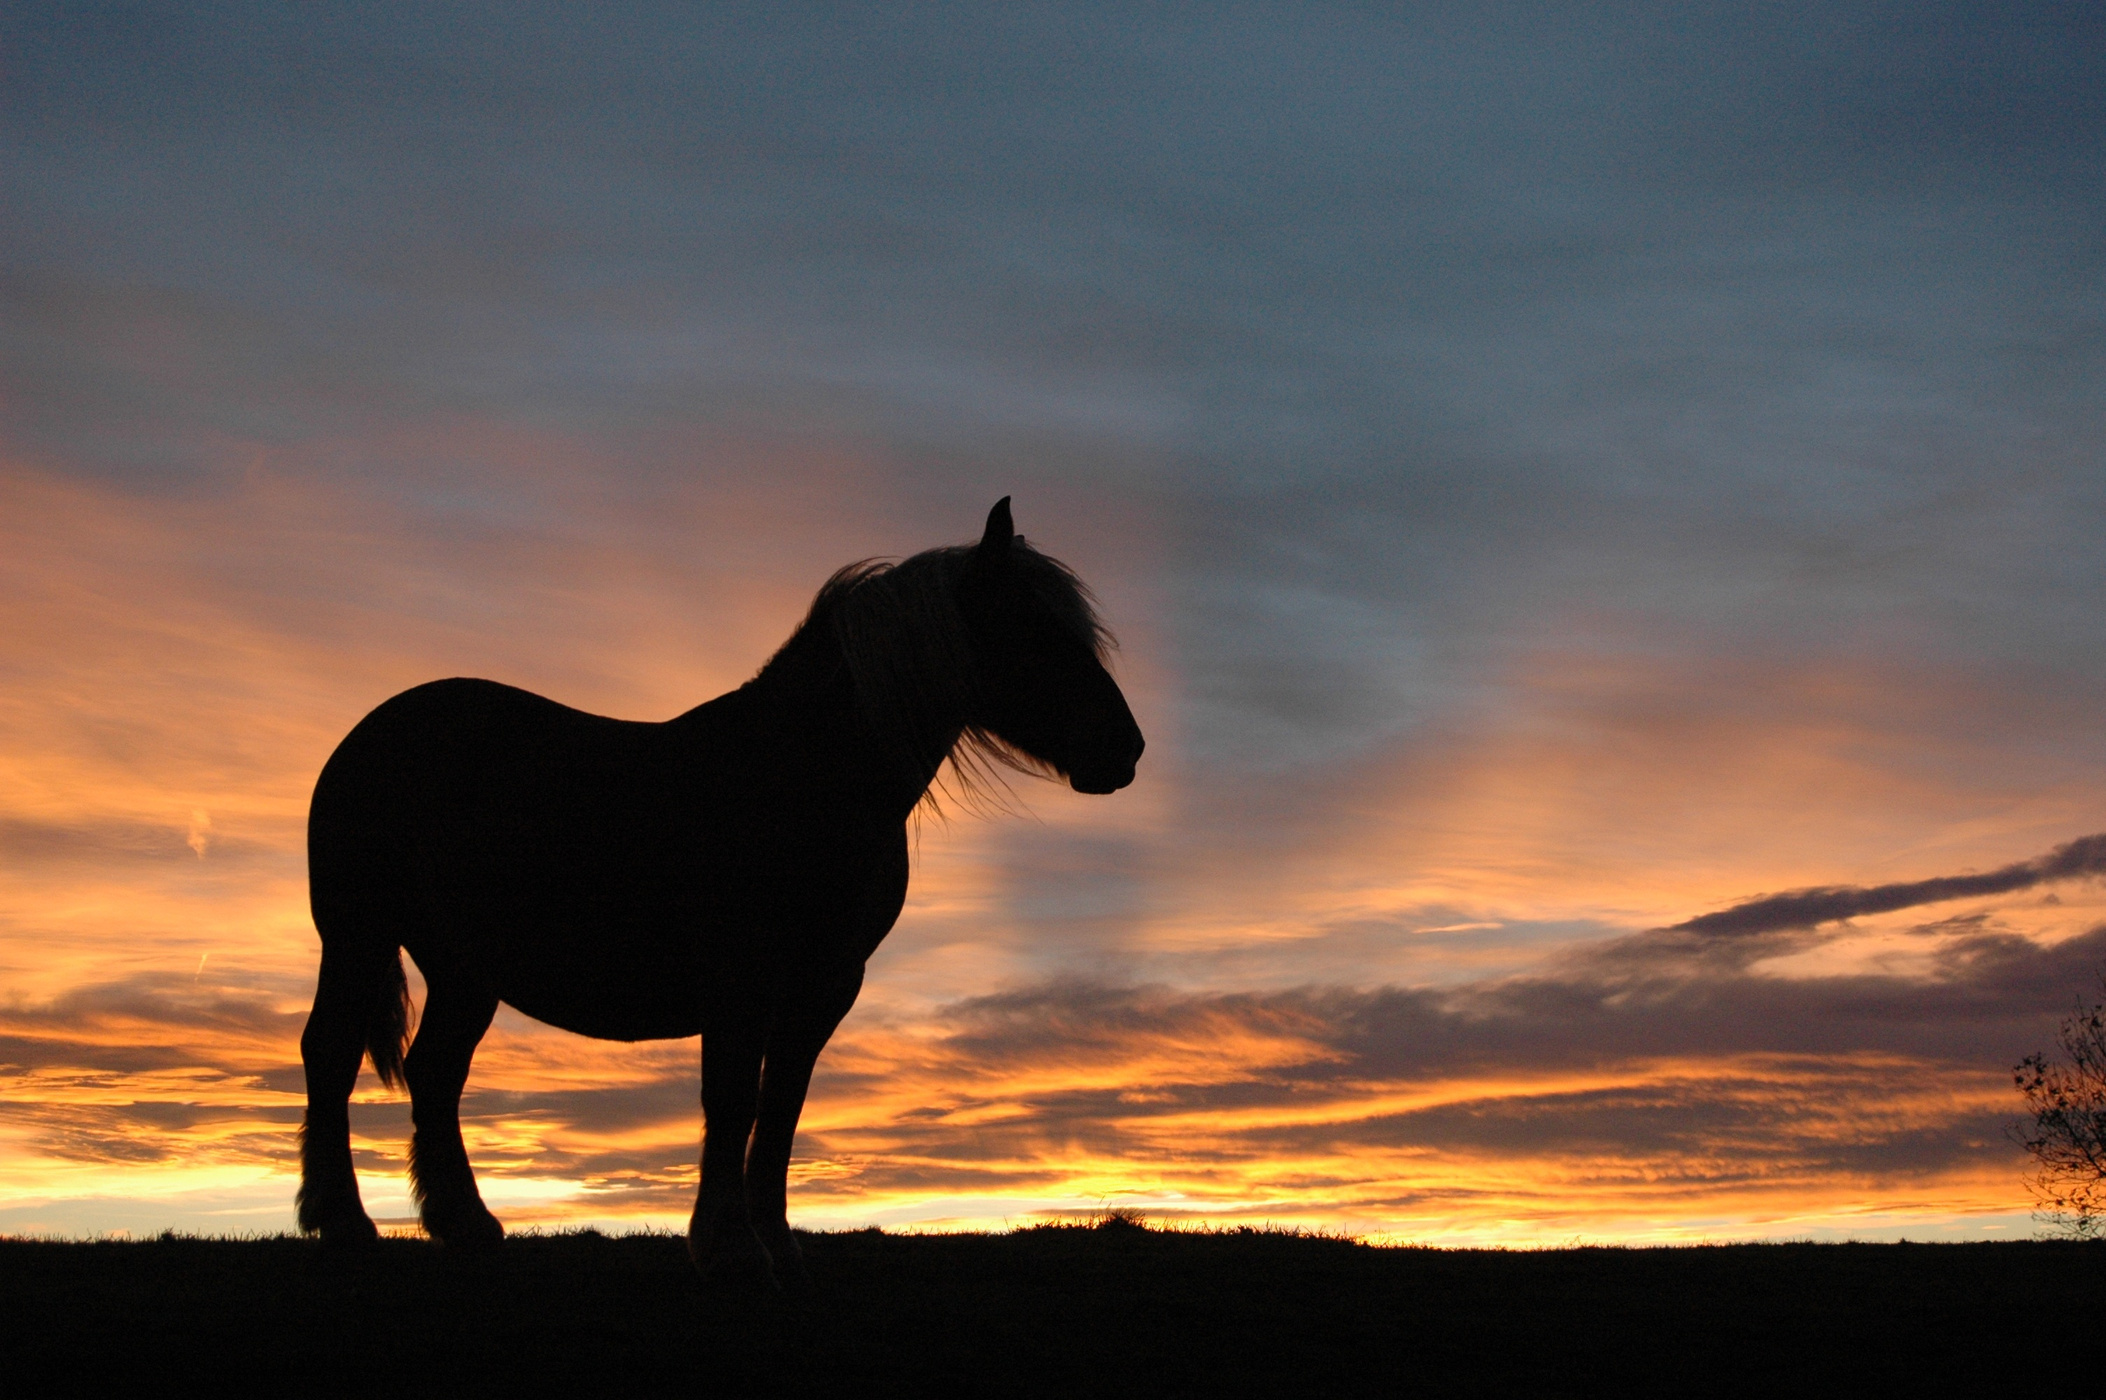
(388, 1030)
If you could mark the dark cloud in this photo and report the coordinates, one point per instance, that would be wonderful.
(159, 1069)
(1719, 1128)
(153, 1021)
(1810, 1117)
(153, 1069)
(1804, 909)
(1989, 998)
(158, 1132)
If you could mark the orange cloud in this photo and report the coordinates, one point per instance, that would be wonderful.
(183, 665)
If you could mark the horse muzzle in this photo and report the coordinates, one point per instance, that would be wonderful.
(1099, 779)
(1098, 784)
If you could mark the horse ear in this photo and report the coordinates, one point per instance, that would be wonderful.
(1000, 533)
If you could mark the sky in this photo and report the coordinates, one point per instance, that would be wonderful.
(1561, 476)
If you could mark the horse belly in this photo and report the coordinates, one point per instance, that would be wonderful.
(653, 974)
(610, 1012)
(605, 978)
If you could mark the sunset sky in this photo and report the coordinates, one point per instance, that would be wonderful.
(1554, 471)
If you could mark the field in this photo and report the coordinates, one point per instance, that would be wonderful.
(1113, 1308)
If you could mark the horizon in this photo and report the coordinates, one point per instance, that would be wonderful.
(1570, 487)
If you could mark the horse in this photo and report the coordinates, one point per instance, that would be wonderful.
(726, 873)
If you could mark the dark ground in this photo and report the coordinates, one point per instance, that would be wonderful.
(1111, 1309)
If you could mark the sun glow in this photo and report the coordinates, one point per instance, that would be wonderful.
(1131, 1002)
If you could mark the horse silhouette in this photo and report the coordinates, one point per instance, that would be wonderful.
(727, 872)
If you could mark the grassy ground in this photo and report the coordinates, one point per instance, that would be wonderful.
(1112, 1309)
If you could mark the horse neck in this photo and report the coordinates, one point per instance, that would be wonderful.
(806, 698)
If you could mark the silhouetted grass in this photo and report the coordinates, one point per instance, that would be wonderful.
(1112, 1309)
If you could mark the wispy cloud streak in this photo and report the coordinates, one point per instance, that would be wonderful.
(1824, 904)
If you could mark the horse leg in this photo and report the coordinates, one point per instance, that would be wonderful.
(456, 1014)
(720, 1236)
(794, 1043)
(331, 1049)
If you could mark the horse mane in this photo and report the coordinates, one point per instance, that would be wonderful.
(903, 639)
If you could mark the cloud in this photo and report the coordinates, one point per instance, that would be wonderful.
(1986, 994)
(1582, 1087)
(153, 1022)
(1805, 909)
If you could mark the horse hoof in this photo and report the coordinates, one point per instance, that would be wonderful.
(473, 1235)
(346, 1232)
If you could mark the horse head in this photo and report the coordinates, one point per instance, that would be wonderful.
(1043, 688)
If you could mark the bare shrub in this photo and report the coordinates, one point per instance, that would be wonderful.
(2067, 1135)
